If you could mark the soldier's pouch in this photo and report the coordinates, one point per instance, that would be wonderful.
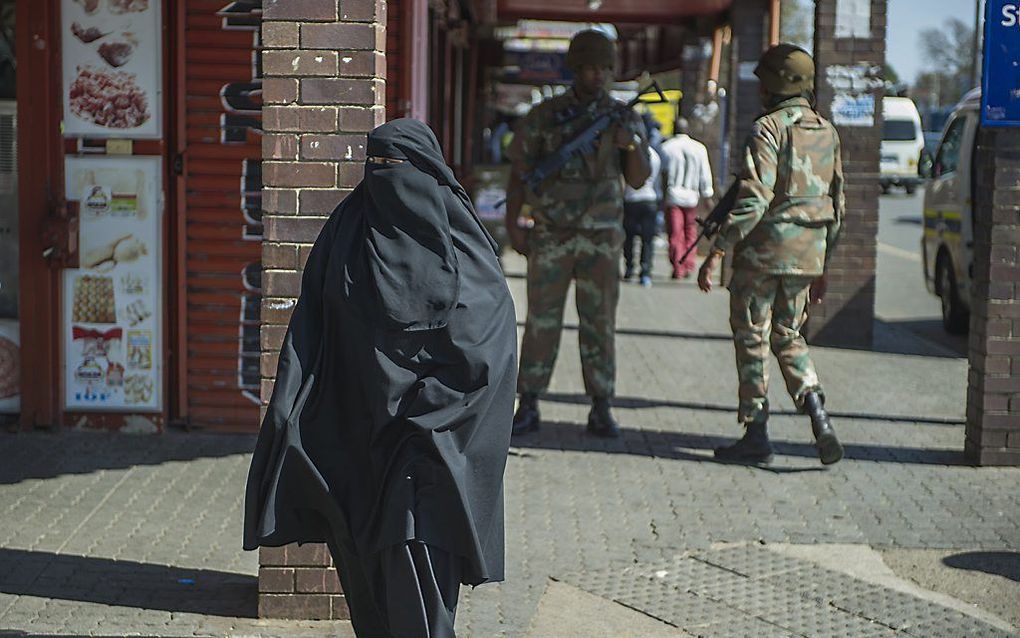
(808, 211)
(810, 160)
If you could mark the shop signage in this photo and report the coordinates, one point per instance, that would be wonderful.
(112, 328)
(536, 67)
(112, 68)
(1000, 94)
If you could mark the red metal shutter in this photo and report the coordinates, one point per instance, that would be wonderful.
(222, 205)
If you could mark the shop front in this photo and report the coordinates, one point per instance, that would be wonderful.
(136, 215)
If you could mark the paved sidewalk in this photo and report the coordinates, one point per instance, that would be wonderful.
(113, 535)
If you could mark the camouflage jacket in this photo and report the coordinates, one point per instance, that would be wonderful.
(789, 209)
(587, 193)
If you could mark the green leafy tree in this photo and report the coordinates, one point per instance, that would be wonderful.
(948, 53)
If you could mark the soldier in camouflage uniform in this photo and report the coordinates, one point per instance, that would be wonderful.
(578, 232)
(781, 233)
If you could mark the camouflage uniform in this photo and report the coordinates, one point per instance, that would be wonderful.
(578, 235)
(781, 234)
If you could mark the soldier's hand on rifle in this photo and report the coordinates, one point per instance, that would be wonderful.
(818, 288)
(624, 138)
(708, 271)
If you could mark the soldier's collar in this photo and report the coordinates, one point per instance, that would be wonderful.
(598, 99)
(798, 100)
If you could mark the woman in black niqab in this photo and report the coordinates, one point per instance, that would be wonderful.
(387, 432)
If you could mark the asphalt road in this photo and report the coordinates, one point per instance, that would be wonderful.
(902, 300)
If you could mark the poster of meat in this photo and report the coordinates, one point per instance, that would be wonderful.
(112, 311)
(112, 68)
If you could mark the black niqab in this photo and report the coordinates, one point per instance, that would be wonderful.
(390, 417)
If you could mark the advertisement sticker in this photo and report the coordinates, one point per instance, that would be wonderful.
(112, 325)
(112, 67)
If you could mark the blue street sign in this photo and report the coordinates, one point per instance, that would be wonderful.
(1000, 91)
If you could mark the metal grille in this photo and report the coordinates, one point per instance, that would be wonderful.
(8, 148)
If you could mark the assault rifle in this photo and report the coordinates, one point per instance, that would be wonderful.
(583, 141)
(711, 225)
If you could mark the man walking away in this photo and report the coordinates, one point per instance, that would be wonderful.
(640, 208)
(782, 232)
(688, 182)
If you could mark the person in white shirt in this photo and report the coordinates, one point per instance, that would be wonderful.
(688, 182)
(640, 209)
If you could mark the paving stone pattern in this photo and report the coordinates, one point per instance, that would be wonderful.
(113, 535)
(751, 591)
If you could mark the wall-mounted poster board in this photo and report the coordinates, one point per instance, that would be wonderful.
(112, 328)
(112, 68)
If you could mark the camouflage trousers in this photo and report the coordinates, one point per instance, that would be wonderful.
(770, 310)
(591, 259)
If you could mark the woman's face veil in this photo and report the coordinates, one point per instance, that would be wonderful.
(410, 267)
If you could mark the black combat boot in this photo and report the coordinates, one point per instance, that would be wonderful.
(753, 448)
(600, 419)
(527, 418)
(829, 449)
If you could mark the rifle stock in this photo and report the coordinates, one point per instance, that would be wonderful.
(711, 225)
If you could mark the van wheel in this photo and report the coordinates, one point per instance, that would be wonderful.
(955, 318)
(910, 188)
(886, 188)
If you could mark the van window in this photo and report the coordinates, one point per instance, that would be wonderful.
(949, 152)
(899, 131)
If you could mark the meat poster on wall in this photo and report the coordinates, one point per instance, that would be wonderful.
(112, 312)
(112, 68)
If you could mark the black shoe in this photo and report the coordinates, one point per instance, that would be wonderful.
(601, 421)
(527, 419)
(829, 448)
(628, 275)
(753, 448)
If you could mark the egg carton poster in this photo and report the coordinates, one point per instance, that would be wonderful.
(117, 290)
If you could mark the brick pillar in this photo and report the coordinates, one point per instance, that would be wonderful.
(849, 68)
(993, 393)
(324, 69)
(750, 39)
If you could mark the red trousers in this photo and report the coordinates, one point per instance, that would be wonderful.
(682, 226)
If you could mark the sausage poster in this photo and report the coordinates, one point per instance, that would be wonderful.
(112, 66)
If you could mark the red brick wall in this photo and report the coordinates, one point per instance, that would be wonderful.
(749, 20)
(324, 90)
(299, 583)
(993, 394)
(846, 318)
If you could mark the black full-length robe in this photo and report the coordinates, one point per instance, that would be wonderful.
(390, 418)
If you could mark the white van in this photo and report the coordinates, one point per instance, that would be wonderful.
(948, 220)
(902, 144)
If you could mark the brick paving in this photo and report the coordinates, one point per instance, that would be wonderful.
(113, 535)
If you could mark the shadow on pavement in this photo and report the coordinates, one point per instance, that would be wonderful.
(127, 583)
(660, 334)
(43, 455)
(682, 446)
(926, 330)
(1005, 564)
(638, 403)
(910, 220)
